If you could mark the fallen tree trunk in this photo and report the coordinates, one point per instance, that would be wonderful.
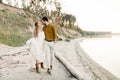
(70, 68)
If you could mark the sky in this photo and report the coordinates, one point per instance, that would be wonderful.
(95, 15)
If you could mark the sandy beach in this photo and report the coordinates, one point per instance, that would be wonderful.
(71, 63)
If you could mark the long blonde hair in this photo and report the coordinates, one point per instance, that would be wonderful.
(36, 31)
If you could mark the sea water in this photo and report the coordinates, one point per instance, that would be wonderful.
(105, 51)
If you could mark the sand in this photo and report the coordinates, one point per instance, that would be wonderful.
(71, 63)
(15, 65)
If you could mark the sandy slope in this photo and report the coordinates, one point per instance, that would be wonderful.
(11, 8)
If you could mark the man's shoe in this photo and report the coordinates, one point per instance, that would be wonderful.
(51, 67)
(48, 71)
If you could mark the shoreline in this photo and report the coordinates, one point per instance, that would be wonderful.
(97, 72)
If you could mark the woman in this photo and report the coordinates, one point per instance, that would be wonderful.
(36, 45)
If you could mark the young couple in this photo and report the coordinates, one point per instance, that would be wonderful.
(42, 44)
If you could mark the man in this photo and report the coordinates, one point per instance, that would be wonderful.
(50, 40)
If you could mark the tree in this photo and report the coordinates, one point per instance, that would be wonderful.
(0, 1)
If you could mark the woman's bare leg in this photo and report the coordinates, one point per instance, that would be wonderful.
(42, 66)
(37, 66)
